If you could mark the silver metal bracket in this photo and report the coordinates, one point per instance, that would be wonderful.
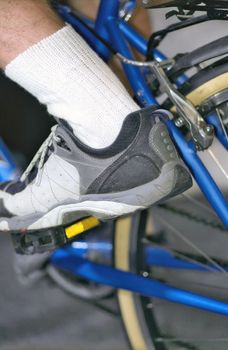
(127, 7)
(201, 132)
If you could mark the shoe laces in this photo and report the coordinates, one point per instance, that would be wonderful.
(40, 157)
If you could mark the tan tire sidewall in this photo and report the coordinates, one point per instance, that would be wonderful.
(123, 232)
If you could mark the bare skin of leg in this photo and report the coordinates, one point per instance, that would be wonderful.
(24, 23)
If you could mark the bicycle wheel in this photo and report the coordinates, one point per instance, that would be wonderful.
(152, 324)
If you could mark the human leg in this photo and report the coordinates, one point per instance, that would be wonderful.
(104, 158)
(62, 72)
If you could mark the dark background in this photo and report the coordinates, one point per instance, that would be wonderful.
(24, 122)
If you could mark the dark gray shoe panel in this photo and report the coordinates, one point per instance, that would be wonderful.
(135, 158)
(127, 175)
(161, 143)
(144, 173)
(104, 171)
(141, 163)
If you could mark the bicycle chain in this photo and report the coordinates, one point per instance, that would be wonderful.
(193, 217)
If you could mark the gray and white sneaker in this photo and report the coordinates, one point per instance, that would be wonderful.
(67, 180)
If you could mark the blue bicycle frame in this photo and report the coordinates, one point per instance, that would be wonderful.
(8, 167)
(74, 258)
(120, 34)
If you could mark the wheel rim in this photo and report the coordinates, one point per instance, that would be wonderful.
(149, 318)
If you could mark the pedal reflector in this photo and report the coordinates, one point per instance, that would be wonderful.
(81, 226)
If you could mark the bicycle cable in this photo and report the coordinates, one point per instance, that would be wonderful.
(167, 62)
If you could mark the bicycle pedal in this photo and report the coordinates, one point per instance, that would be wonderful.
(40, 241)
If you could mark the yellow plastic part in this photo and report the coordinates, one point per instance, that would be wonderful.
(81, 226)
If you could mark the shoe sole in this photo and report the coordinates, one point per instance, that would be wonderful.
(48, 232)
(174, 179)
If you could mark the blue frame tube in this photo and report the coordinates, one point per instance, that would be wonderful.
(141, 89)
(83, 249)
(8, 167)
(135, 39)
(67, 259)
(68, 16)
(106, 9)
(201, 174)
(161, 257)
(140, 44)
(125, 280)
(138, 41)
(154, 256)
(107, 275)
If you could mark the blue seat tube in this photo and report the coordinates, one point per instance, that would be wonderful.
(201, 174)
(106, 10)
(142, 92)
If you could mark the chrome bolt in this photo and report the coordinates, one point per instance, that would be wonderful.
(179, 122)
(208, 129)
(145, 274)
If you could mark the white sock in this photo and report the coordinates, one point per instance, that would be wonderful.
(66, 75)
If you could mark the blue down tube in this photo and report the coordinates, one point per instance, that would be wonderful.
(8, 168)
(154, 256)
(136, 79)
(161, 257)
(125, 280)
(200, 173)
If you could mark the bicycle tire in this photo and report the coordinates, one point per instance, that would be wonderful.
(202, 86)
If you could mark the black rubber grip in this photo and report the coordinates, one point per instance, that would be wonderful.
(214, 49)
(39, 241)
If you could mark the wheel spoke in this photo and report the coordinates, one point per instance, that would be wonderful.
(198, 203)
(217, 162)
(191, 244)
(221, 122)
(194, 340)
(182, 256)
